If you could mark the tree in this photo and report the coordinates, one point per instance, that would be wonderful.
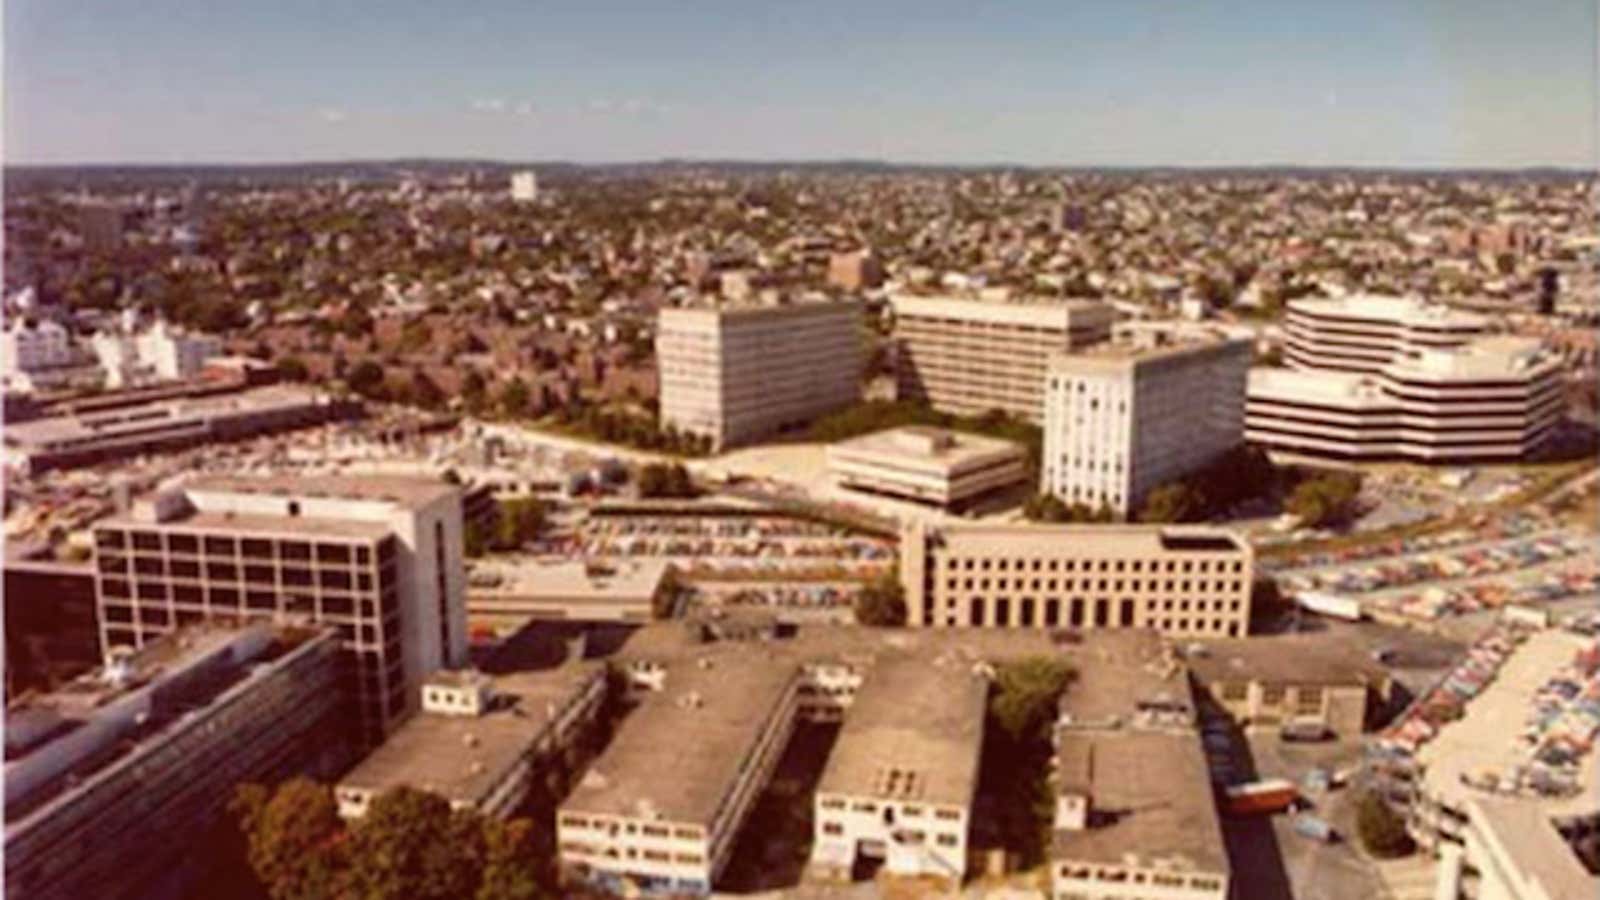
(1326, 499)
(410, 844)
(1382, 830)
(1172, 502)
(1026, 693)
(294, 838)
(881, 602)
(514, 397)
(509, 872)
(473, 540)
(366, 378)
(292, 368)
(1017, 748)
(663, 480)
(520, 521)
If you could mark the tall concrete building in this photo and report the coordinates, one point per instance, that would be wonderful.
(112, 779)
(377, 558)
(738, 373)
(1126, 416)
(1188, 581)
(969, 356)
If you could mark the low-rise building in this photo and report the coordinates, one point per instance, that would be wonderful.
(88, 438)
(1192, 581)
(1129, 415)
(482, 742)
(1277, 680)
(930, 465)
(658, 811)
(110, 779)
(1512, 851)
(159, 353)
(621, 591)
(900, 781)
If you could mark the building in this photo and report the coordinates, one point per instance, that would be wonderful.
(50, 629)
(1363, 333)
(735, 374)
(1134, 815)
(482, 742)
(36, 355)
(377, 558)
(857, 270)
(111, 779)
(1124, 417)
(101, 435)
(900, 782)
(1277, 680)
(970, 356)
(929, 465)
(1190, 581)
(159, 353)
(101, 225)
(621, 591)
(658, 811)
(1511, 851)
(524, 187)
(1496, 398)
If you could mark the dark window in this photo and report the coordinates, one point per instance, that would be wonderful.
(225, 596)
(295, 550)
(145, 540)
(183, 543)
(338, 553)
(110, 539)
(222, 572)
(257, 548)
(263, 601)
(152, 590)
(221, 546)
(114, 587)
(184, 568)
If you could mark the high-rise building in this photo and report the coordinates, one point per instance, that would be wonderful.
(379, 559)
(111, 779)
(1126, 416)
(738, 373)
(524, 187)
(970, 356)
(1363, 333)
(1189, 581)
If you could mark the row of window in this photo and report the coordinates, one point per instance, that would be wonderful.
(1203, 586)
(222, 545)
(869, 806)
(579, 848)
(1035, 564)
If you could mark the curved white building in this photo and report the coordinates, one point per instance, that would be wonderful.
(1364, 332)
(1493, 398)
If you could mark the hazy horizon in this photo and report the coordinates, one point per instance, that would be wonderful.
(1366, 85)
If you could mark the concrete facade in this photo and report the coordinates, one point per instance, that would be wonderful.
(927, 464)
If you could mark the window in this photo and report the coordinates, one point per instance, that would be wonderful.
(833, 828)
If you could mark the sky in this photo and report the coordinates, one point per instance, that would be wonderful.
(1418, 83)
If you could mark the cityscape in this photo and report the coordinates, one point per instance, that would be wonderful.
(719, 475)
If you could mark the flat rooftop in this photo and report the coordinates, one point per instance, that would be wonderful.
(115, 423)
(201, 522)
(1285, 659)
(678, 755)
(400, 490)
(462, 757)
(1083, 540)
(1023, 310)
(626, 581)
(1488, 737)
(922, 447)
(914, 733)
(1401, 310)
(1536, 848)
(1150, 799)
(1117, 671)
(1146, 345)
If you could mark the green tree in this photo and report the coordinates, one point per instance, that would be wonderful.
(1172, 502)
(367, 379)
(509, 871)
(1381, 829)
(520, 520)
(1026, 693)
(473, 541)
(1016, 751)
(881, 602)
(514, 397)
(1325, 500)
(293, 835)
(410, 844)
(292, 368)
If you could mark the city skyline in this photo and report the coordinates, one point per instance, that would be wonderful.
(1365, 85)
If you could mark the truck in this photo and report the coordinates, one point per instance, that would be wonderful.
(1264, 797)
(1333, 605)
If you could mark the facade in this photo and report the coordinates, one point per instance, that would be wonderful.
(1189, 581)
(854, 271)
(482, 742)
(900, 782)
(36, 355)
(658, 811)
(111, 779)
(1135, 816)
(1363, 333)
(1511, 851)
(377, 558)
(1490, 399)
(970, 356)
(929, 465)
(159, 353)
(100, 435)
(524, 187)
(1278, 680)
(1125, 417)
(735, 374)
(620, 591)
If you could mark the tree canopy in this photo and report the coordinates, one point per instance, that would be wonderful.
(881, 602)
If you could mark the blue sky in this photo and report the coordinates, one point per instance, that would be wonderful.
(1187, 82)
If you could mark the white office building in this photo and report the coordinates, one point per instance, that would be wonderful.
(159, 353)
(1124, 417)
(1363, 332)
(36, 356)
(524, 187)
